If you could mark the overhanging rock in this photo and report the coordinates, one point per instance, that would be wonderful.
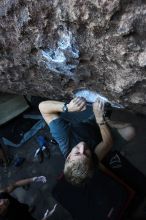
(50, 48)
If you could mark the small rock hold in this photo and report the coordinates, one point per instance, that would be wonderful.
(142, 59)
(137, 98)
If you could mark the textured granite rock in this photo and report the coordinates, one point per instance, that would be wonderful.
(51, 47)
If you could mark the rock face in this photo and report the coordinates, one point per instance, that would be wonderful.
(51, 47)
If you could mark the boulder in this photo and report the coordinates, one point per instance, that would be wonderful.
(51, 47)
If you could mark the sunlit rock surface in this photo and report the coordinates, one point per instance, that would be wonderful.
(50, 48)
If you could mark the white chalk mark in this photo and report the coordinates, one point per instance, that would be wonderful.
(63, 58)
(91, 97)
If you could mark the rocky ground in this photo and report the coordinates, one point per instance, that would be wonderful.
(37, 194)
